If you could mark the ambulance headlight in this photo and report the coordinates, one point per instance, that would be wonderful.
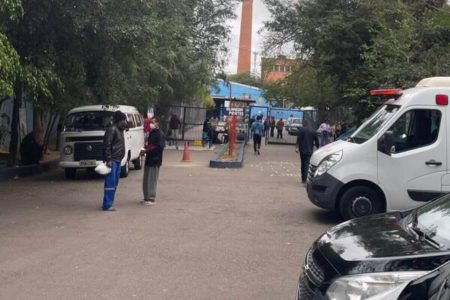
(328, 162)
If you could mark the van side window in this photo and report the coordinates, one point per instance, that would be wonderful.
(131, 121)
(416, 128)
(138, 120)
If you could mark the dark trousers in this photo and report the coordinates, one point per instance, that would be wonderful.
(279, 133)
(111, 183)
(272, 131)
(256, 142)
(304, 159)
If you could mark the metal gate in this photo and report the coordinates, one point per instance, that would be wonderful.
(283, 115)
(191, 118)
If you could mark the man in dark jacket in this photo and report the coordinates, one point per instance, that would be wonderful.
(153, 161)
(175, 126)
(306, 139)
(114, 151)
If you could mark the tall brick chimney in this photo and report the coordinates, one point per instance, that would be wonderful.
(245, 39)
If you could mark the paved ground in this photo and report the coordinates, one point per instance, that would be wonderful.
(214, 234)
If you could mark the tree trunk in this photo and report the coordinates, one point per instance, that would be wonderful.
(14, 143)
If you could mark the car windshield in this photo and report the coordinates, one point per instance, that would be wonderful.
(296, 121)
(434, 219)
(371, 127)
(88, 120)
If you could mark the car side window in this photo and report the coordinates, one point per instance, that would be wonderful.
(416, 128)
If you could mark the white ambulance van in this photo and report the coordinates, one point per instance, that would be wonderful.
(82, 137)
(396, 160)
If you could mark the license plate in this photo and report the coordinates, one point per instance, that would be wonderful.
(88, 163)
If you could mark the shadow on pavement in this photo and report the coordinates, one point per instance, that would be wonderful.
(326, 217)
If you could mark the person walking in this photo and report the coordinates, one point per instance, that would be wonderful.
(306, 139)
(280, 126)
(206, 133)
(324, 130)
(257, 130)
(272, 126)
(114, 151)
(175, 126)
(153, 161)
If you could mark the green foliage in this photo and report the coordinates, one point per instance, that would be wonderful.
(9, 66)
(351, 46)
(245, 78)
(112, 51)
(10, 10)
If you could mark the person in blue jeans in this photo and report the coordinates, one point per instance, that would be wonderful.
(257, 130)
(114, 151)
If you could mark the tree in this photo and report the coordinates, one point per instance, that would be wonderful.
(10, 11)
(357, 45)
(246, 78)
(159, 52)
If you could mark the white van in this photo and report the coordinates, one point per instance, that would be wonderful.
(396, 160)
(82, 134)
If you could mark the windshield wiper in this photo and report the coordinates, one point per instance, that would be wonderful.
(420, 234)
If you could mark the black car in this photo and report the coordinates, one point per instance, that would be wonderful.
(364, 257)
(434, 285)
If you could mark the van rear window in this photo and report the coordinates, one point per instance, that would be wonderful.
(88, 120)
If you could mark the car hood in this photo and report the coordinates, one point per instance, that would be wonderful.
(371, 237)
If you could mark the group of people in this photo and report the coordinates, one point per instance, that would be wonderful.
(114, 151)
(213, 132)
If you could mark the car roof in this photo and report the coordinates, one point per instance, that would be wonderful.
(112, 108)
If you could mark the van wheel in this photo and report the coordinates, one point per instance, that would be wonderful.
(359, 201)
(70, 173)
(137, 163)
(125, 169)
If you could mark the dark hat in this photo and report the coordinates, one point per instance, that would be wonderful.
(119, 116)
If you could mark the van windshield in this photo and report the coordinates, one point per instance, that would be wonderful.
(371, 127)
(88, 120)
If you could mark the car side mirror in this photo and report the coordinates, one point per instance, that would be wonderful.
(386, 143)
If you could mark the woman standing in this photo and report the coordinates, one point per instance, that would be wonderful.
(153, 161)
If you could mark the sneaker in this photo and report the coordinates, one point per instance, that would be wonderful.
(258, 152)
(148, 202)
(110, 209)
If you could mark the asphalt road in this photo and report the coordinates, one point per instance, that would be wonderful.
(214, 233)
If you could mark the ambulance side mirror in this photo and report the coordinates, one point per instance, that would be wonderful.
(386, 143)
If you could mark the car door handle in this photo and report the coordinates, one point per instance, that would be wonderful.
(433, 163)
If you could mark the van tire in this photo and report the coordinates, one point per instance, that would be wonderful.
(125, 169)
(359, 201)
(70, 173)
(137, 163)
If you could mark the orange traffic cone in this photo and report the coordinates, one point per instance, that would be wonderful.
(186, 153)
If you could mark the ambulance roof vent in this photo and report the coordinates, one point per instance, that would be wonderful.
(434, 82)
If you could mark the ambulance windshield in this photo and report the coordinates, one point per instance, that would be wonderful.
(371, 127)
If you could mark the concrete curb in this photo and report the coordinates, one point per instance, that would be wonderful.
(23, 171)
(216, 163)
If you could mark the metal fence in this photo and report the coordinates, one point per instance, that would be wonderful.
(191, 118)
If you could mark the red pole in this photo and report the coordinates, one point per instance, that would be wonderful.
(232, 136)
